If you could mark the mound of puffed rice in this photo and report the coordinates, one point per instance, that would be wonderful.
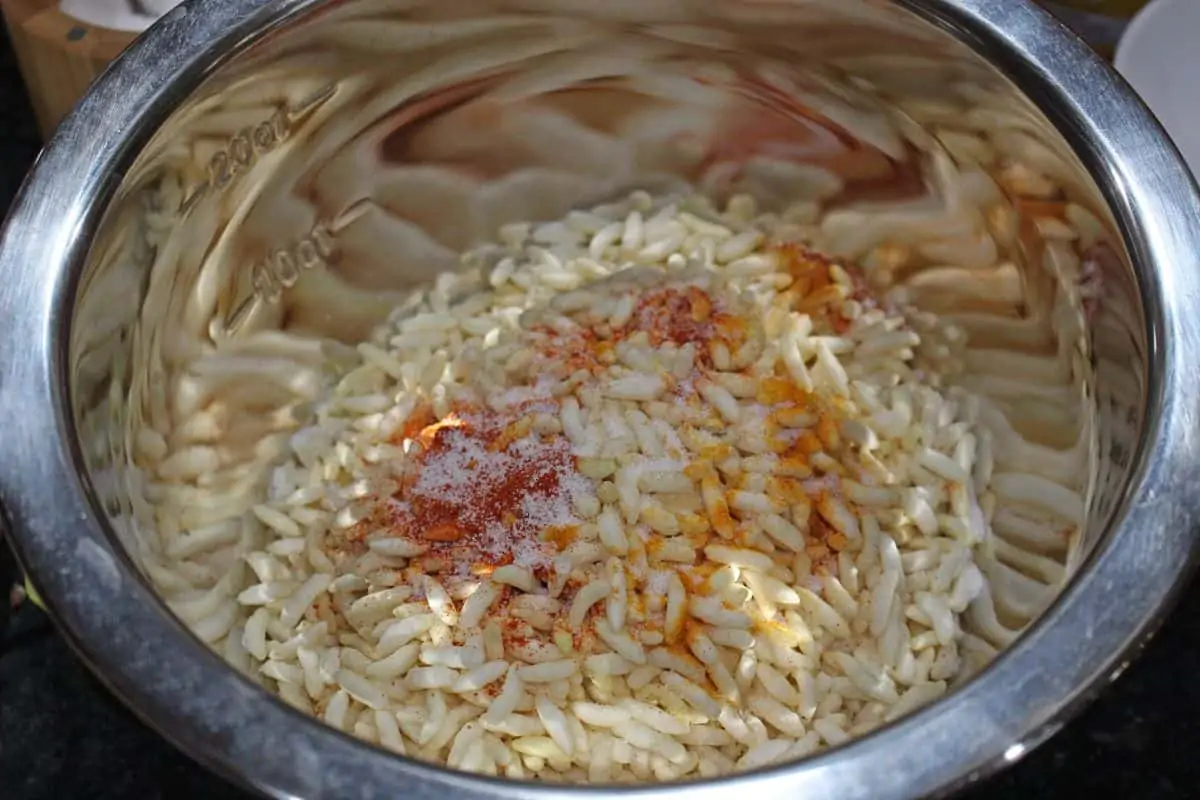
(652, 491)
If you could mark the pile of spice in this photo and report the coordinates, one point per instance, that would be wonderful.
(484, 489)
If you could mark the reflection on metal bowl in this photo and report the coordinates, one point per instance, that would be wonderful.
(294, 171)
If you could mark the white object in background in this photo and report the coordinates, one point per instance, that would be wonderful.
(118, 15)
(1159, 57)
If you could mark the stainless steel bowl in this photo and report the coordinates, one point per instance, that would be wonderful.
(175, 210)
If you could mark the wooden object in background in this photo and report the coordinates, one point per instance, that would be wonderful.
(59, 56)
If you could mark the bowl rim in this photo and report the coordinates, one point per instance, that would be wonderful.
(183, 690)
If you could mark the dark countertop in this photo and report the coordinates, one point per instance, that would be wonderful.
(63, 736)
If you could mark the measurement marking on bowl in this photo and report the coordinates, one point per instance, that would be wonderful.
(315, 99)
(285, 265)
(248, 145)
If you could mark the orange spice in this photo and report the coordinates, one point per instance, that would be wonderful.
(813, 286)
(793, 467)
(789, 490)
(808, 444)
(775, 391)
(824, 543)
(420, 419)
(561, 536)
(809, 268)
(827, 431)
(669, 315)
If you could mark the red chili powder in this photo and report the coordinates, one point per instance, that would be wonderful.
(485, 488)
